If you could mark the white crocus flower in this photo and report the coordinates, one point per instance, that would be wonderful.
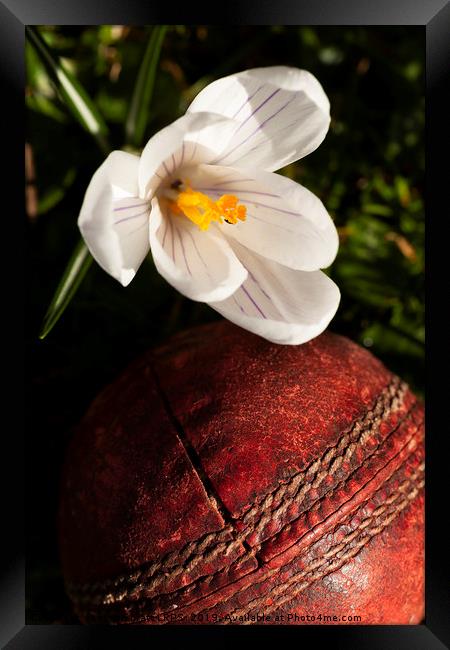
(221, 226)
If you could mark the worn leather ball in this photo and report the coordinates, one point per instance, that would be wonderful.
(225, 479)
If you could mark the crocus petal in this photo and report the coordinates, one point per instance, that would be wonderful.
(113, 219)
(285, 222)
(278, 303)
(283, 115)
(194, 138)
(201, 265)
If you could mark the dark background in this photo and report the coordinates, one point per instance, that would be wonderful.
(369, 172)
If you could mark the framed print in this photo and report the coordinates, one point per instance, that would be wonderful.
(224, 281)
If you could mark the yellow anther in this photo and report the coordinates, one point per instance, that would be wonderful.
(202, 210)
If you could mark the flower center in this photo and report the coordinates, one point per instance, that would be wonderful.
(202, 210)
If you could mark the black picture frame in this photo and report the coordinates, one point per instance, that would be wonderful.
(434, 16)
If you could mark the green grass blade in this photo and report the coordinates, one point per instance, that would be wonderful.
(75, 271)
(73, 94)
(139, 109)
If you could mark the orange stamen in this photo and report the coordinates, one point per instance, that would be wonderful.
(202, 210)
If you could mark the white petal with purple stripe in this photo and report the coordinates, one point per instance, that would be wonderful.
(278, 303)
(201, 265)
(190, 140)
(113, 219)
(285, 222)
(283, 114)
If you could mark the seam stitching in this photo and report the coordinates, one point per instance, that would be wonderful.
(216, 543)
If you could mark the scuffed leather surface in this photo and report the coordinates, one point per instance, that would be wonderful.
(152, 517)
(238, 396)
(128, 485)
(384, 583)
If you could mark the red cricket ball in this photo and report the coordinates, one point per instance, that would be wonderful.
(226, 479)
